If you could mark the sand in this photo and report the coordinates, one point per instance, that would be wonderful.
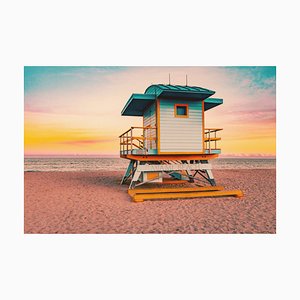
(95, 202)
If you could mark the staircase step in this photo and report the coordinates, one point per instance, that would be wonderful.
(133, 192)
(184, 195)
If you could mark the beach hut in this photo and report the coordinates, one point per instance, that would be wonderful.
(172, 145)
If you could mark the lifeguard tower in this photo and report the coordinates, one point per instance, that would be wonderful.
(173, 145)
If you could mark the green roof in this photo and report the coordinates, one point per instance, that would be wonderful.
(174, 91)
(138, 103)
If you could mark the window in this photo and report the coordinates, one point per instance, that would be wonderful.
(181, 110)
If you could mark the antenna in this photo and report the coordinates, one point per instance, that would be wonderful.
(169, 79)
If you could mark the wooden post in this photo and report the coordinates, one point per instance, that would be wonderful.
(215, 139)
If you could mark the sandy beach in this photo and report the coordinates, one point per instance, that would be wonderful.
(95, 202)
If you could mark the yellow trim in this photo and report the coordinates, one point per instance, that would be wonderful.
(203, 128)
(181, 116)
(144, 129)
(158, 125)
(159, 157)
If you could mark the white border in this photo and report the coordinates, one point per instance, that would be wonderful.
(148, 266)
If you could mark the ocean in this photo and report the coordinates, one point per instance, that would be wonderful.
(118, 164)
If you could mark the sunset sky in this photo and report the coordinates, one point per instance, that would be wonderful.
(77, 110)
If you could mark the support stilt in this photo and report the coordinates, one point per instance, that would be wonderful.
(129, 171)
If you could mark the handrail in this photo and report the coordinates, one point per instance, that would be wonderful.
(127, 144)
(208, 139)
(137, 127)
(213, 129)
(143, 127)
(127, 138)
(125, 132)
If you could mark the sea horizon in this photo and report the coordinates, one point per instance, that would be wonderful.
(118, 156)
(61, 164)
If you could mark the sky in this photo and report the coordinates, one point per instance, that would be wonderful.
(77, 110)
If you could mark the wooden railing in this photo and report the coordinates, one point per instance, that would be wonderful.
(140, 139)
(210, 138)
(136, 138)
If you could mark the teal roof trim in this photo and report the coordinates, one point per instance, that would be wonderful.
(137, 104)
(212, 102)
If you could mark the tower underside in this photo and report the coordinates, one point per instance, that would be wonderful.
(142, 172)
(193, 172)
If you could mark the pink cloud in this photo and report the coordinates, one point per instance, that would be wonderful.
(255, 116)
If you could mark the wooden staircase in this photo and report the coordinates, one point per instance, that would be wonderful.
(140, 195)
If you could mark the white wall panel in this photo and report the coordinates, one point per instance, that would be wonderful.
(180, 134)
